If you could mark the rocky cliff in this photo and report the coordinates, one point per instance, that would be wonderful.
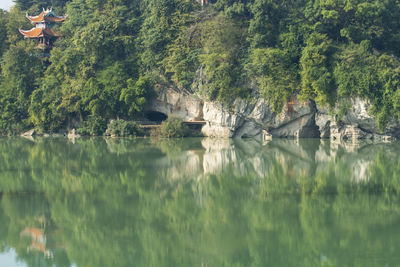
(254, 118)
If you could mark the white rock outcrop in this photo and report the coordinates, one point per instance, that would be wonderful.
(254, 118)
(178, 103)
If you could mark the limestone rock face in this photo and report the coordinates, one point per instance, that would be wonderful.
(217, 131)
(293, 111)
(249, 129)
(73, 134)
(323, 122)
(356, 124)
(255, 118)
(358, 115)
(348, 132)
(247, 119)
(220, 122)
(29, 133)
(179, 103)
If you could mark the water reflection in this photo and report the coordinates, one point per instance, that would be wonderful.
(199, 202)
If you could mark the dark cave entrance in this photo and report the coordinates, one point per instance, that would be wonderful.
(155, 116)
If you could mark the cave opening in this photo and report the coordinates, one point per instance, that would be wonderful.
(155, 116)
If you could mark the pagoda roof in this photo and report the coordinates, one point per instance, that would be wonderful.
(46, 16)
(37, 32)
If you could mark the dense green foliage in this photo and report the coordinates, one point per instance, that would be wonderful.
(121, 128)
(93, 126)
(114, 53)
(172, 127)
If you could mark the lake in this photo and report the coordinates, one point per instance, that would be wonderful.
(198, 202)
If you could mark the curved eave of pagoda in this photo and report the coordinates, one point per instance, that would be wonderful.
(37, 33)
(46, 17)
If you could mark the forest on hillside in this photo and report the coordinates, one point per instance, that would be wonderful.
(115, 53)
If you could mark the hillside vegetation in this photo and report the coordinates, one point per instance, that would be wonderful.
(114, 53)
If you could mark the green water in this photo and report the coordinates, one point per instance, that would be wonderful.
(198, 202)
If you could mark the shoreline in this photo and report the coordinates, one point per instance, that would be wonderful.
(69, 137)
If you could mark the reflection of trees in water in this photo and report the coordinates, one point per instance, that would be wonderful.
(187, 202)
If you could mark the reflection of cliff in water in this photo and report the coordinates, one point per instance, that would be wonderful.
(50, 164)
(296, 158)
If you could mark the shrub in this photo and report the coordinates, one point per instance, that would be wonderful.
(122, 128)
(94, 126)
(172, 127)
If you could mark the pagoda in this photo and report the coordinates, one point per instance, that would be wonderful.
(42, 31)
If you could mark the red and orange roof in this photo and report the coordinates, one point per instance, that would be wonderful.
(46, 16)
(37, 32)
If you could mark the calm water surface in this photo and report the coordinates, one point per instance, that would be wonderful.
(198, 202)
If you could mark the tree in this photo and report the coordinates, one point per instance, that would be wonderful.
(21, 73)
(3, 32)
(316, 77)
(221, 59)
(162, 21)
(135, 94)
(265, 22)
(275, 74)
(38, 5)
